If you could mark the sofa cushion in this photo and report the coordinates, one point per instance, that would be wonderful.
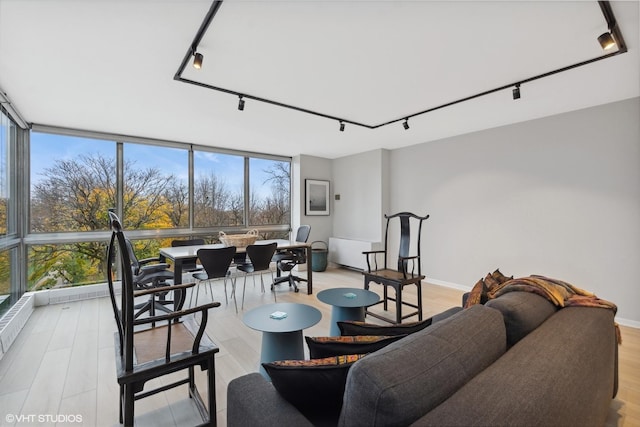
(305, 383)
(320, 347)
(523, 312)
(401, 382)
(561, 374)
(351, 327)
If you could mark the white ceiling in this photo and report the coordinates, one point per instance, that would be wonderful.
(109, 65)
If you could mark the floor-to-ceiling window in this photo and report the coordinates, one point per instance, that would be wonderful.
(10, 288)
(162, 190)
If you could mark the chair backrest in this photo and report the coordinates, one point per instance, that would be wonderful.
(187, 242)
(135, 264)
(261, 255)
(303, 233)
(124, 313)
(216, 261)
(189, 263)
(405, 238)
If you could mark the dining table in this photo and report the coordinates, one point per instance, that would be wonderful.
(178, 254)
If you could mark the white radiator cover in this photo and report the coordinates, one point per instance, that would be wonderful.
(348, 252)
(14, 320)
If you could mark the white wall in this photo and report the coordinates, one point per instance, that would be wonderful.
(361, 181)
(558, 196)
(309, 167)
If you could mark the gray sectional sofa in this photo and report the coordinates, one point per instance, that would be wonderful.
(515, 361)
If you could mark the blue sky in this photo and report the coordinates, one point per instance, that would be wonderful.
(47, 148)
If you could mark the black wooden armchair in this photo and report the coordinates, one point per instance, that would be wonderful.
(408, 270)
(145, 352)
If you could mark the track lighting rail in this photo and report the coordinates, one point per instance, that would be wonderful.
(605, 7)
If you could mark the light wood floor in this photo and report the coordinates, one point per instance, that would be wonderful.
(62, 364)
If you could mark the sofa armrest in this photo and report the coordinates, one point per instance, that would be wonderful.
(253, 401)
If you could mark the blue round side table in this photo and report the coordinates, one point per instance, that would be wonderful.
(347, 304)
(281, 337)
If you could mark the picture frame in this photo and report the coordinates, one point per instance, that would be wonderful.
(316, 197)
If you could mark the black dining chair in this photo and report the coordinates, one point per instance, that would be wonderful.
(189, 265)
(259, 257)
(216, 263)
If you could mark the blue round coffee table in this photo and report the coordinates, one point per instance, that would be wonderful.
(281, 333)
(347, 304)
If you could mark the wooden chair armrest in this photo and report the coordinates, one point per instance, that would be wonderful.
(163, 289)
(368, 254)
(372, 252)
(177, 314)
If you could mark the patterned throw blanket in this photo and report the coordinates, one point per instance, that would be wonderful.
(561, 294)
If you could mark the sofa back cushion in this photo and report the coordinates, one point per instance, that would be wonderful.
(523, 312)
(401, 382)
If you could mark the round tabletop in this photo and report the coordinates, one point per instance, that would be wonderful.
(348, 297)
(298, 317)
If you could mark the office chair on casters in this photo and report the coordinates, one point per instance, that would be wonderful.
(149, 273)
(405, 273)
(287, 260)
(145, 352)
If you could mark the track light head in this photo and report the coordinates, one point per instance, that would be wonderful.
(197, 60)
(406, 124)
(516, 92)
(341, 126)
(240, 103)
(606, 40)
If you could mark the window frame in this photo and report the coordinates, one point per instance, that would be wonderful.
(56, 238)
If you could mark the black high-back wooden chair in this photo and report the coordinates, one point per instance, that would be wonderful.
(144, 351)
(408, 270)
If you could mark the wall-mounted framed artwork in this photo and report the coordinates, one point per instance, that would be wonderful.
(316, 197)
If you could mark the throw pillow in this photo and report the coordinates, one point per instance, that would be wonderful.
(501, 278)
(320, 347)
(476, 295)
(315, 387)
(363, 328)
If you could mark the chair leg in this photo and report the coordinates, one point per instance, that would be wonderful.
(192, 381)
(244, 288)
(198, 292)
(233, 292)
(210, 290)
(385, 296)
(121, 406)
(226, 299)
(419, 284)
(128, 405)
(191, 296)
(399, 304)
(211, 377)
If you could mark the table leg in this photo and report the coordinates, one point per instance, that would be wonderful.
(339, 314)
(309, 271)
(280, 346)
